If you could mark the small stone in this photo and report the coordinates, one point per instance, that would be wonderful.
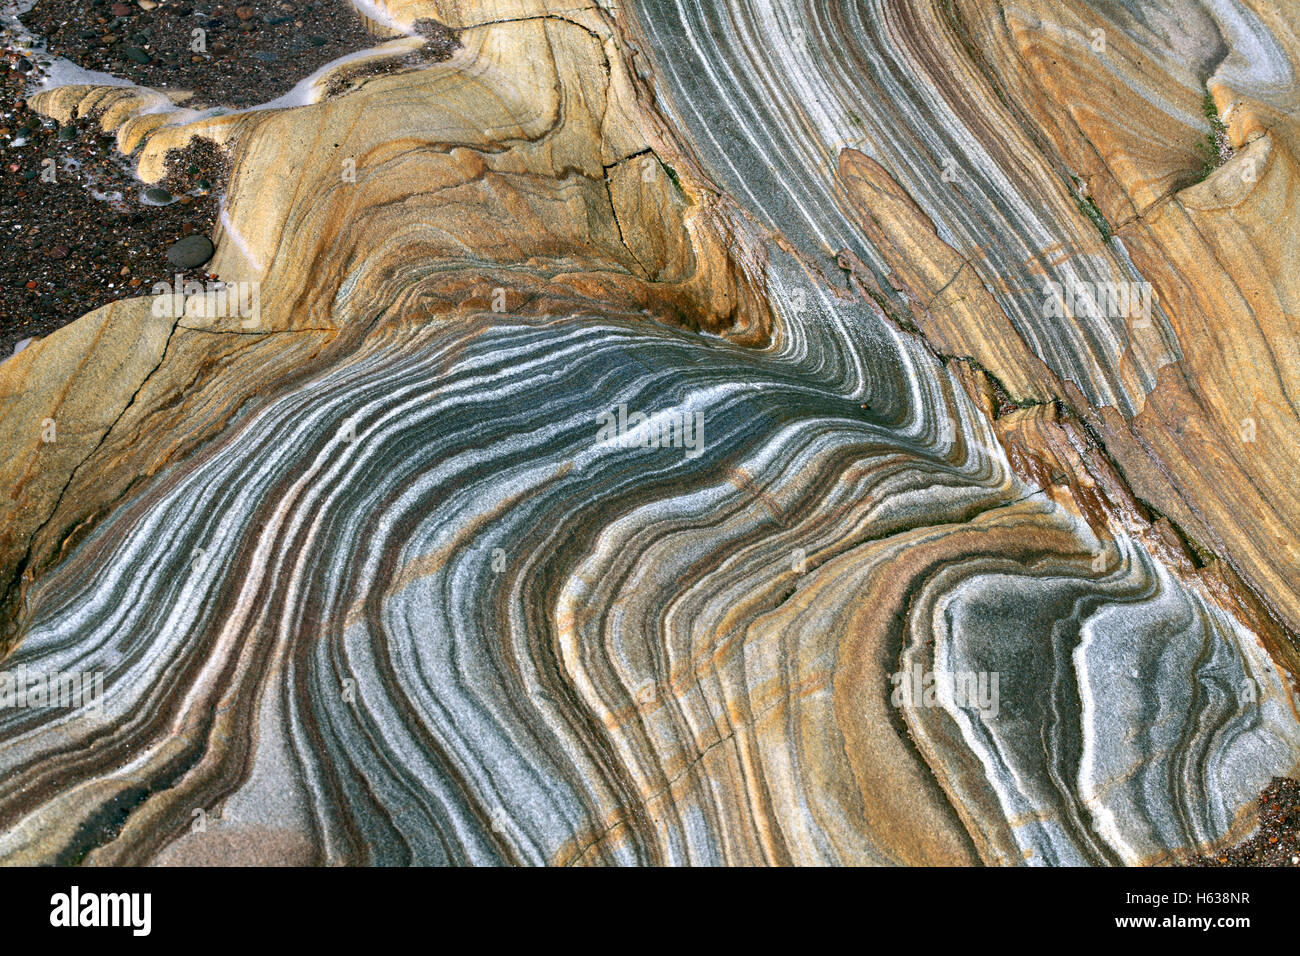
(121, 10)
(59, 252)
(317, 40)
(245, 13)
(158, 194)
(31, 284)
(148, 4)
(190, 252)
(266, 56)
(67, 133)
(188, 228)
(136, 55)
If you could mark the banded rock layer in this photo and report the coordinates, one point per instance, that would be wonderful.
(369, 583)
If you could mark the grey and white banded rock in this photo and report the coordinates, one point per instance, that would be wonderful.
(369, 582)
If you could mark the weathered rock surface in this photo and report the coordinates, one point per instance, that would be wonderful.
(367, 583)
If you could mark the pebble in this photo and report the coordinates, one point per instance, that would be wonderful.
(190, 252)
(245, 13)
(136, 54)
(67, 133)
(59, 252)
(158, 194)
(148, 4)
(121, 10)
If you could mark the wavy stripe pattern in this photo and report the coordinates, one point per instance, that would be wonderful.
(406, 603)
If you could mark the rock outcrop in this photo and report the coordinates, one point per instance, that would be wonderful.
(674, 432)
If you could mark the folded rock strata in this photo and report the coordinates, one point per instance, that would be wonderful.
(367, 585)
